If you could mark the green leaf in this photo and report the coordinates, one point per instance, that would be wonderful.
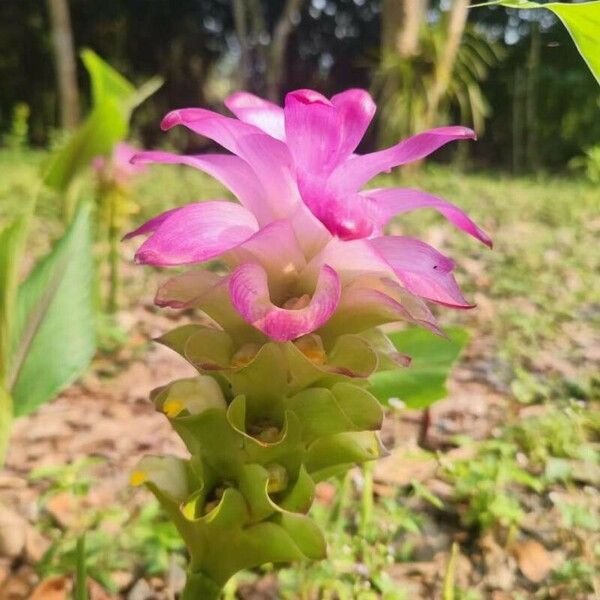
(424, 381)
(106, 82)
(6, 417)
(582, 21)
(12, 238)
(103, 128)
(109, 85)
(114, 98)
(54, 337)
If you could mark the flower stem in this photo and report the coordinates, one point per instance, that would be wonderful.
(114, 260)
(200, 587)
(366, 513)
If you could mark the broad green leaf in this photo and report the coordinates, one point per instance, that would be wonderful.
(109, 84)
(582, 21)
(54, 336)
(103, 128)
(12, 238)
(424, 381)
(106, 82)
(113, 98)
(6, 417)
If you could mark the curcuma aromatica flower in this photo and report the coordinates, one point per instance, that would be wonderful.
(281, 399)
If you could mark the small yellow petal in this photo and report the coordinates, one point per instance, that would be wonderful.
(312, 347)
(244, 355)
(138, 478)
(173, 407)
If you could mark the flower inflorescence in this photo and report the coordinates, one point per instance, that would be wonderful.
(281, 400)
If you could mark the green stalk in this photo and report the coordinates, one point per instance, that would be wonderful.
(448, 592)
(366, 512)
(81, 592)
(114, 256)
(114, 259)
(344, 499)
(200, 587)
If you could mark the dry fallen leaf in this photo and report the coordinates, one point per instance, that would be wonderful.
(53, 588)
(325, 492)
(534, 561)
(13, 530)
(401, 467)
(62, 507)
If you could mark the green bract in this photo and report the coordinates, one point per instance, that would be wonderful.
(263, 424)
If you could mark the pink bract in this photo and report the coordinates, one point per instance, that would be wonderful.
(120, 164)
(305, 244)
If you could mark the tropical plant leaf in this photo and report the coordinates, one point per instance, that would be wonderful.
(424, 381)
(108, 84)
(582, 21)
(114, 98)
(6, 417)
(103, 128)
(54, 337)
(12, 238)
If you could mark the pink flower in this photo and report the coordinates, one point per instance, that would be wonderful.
(118, 167)
(305, 242)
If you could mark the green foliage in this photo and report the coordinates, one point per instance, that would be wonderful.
(576, 576)
(12, 239)
(6, 417)
(108, 84)
(560, 432)
(114, 539)
(357, 563)
(114, 98)
(589, 163)
(74, 478)
(534, 454)
(576, 516)
(402, 84)
(53, 339)
(486, 485)
(582, 20)
(424, 381)
(16, 139)
(103, 128)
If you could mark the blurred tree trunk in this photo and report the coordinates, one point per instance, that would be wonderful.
(277, 52)
(262, 68)
(518, 121)
(401, 22)
(533, 67)
(241, 28)
(64, 62)
(445, 65)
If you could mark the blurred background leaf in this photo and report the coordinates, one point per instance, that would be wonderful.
(54, 337)
(12, 239)
(113, 99)
(424, 382)
(582, 20)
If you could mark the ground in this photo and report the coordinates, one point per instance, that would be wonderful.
(508, 473)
